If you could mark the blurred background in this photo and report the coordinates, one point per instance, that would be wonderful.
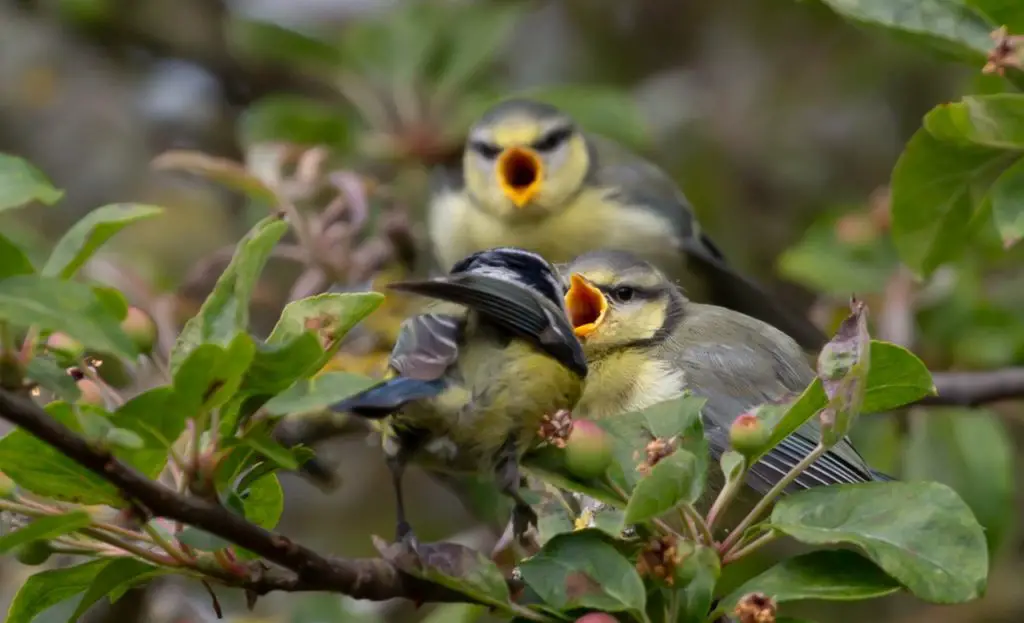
(781, 122)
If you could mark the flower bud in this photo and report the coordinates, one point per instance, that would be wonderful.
(597, 617)
(748, 434)
(140, 328)
(34, 553)
(91, 393)
(65, 346)
(588, 451)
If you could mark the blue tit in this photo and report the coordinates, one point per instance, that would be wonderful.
(530, 178)
(469, 385)
(645, 343)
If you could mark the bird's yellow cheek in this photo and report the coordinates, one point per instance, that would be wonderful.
(586, 306)
(520, 172)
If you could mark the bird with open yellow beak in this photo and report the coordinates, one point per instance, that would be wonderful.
(530, 178)
(645, 343)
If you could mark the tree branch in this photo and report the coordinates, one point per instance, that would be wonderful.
(369, 578)
(970, 389)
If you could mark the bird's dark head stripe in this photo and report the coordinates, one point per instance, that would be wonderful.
(522, 266)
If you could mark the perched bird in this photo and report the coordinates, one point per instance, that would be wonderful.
(530, 178)
(469, 386)
(645, 343)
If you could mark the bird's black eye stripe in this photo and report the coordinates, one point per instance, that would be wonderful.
(487, 150)
(552, 139)
(624, 293)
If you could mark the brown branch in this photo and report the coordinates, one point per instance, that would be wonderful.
(970, 389)
(368, 578)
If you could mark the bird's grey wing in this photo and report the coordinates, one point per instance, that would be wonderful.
(511, 307)
(427, 345)
(755, 370)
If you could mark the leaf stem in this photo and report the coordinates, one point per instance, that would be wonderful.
(743, 550)
(172, 550)
(725, 498)
(703, 530)
(766, 501)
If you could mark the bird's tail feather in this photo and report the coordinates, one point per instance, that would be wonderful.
(386, 397)
(881, 477)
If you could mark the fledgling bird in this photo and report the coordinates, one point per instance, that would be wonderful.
(645, 343)
(530, 178)
(469, 386)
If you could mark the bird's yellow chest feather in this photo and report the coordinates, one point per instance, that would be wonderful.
(625, 382)
(590, 222)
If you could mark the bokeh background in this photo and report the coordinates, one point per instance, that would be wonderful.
(780, 120)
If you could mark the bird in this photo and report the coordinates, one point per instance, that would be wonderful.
(646, 343)
(530, 177)
(471, 378)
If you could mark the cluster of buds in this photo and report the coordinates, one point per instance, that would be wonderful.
(1007, 52)
(659, 559)
(656, 450)
(756, 608)
(556, 428)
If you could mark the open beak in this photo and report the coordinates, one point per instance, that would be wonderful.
(519, 173)
(586, 306)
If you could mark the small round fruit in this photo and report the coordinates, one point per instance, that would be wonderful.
(91, 393)
(140, 328)
(588, 451)
(748, 434)
(66, 345)
(597, 617)
(34, 553)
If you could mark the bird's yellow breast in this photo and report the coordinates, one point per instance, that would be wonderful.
(626, 381)
(591, 221)
(497, 392)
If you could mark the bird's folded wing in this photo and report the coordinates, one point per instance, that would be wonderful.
(427, 345)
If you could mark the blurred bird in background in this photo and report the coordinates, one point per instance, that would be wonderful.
(645, 343)
(531, 178)
(469, 383)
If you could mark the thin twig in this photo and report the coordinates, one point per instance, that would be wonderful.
(766, 501)
(744, 550)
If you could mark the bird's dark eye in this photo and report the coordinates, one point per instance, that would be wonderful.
(623, 293)
(487, 150)
(553, 139)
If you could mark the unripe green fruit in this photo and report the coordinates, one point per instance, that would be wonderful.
(140, 328)
(588, 451)
(65, 345)
(597, 617)
(748, 434)
(34, 553)
(91, 393)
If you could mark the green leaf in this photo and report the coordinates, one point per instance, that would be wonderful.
(581, 570)
(839, 575)
(332, 313)
(210, 375)
(1007, 196)
(225, 172)
(265, 41)
(896, 377)
(922, 533)
(843, 365)
(272, 450)
(970, 450)
(474, 42)
(456, 566)
(225, 313)
(13, 260)
(70, 307)
(264, 502)
(118, 576)
(995, 121)
(947, 26)
(805, 407)
(112, 300)
(48, 588)
(317, 393)
(39, 468)
(90, 233)
(674, 417)
(299, 120)
(936, 188)
(699, 575)
(53, 378)
(21, 183)
(1006, 12)
(667, 485)
(202, 540)
(156, 415)
(275, 367)
(44, 529)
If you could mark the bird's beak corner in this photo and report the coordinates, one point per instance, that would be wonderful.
(519, 173)
(586, 305)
